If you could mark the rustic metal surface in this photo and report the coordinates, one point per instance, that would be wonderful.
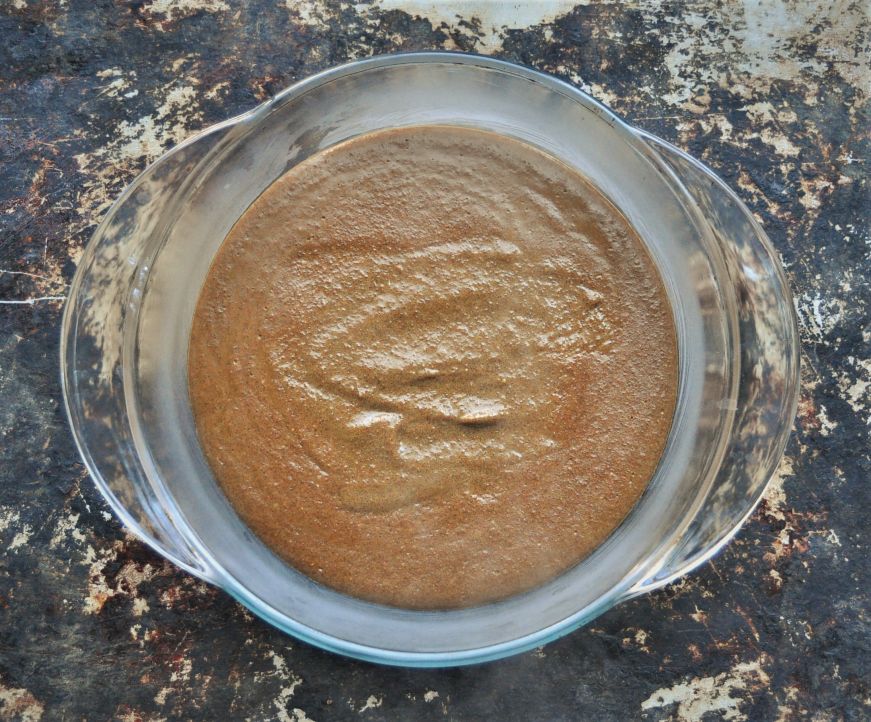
(773, 95)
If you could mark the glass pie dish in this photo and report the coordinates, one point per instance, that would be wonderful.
(128, 318)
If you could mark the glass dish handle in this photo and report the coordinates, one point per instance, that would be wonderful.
(95, 332)
(768, 378)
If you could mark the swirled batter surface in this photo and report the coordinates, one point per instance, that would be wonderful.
(433, 367)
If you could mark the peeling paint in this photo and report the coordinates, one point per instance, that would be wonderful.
(775, 496)
(11, 519)
(712, 695)
(489, 19)
(176, 9)
(372, 702)
(19, 704)
(67, 527)
(136, 144)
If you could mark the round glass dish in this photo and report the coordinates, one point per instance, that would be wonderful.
(127, 322)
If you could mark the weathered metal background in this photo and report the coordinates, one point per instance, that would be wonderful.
(773, 95)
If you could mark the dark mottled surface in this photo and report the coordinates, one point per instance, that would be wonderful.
(772, 95)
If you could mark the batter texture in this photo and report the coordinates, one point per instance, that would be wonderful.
(433, 367)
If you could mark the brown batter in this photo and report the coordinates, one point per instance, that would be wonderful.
(433, 367)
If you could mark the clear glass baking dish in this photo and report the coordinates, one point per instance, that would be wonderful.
(126, 327)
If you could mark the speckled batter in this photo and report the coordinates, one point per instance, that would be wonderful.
(433, 367)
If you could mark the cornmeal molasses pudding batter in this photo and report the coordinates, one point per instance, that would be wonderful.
(433, 367)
